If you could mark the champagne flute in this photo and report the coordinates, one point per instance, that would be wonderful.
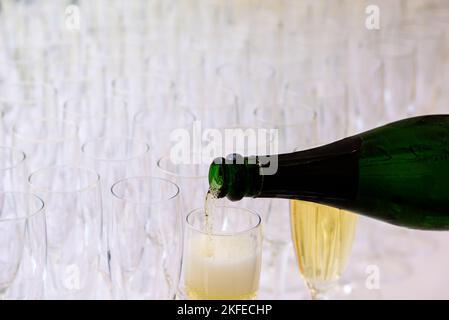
(158, 125)
(190, 177)
(322, 237)
(19, 98)
(73, 223)
(114, 158)
(22, 244)
(254, 83)
(399, 60)
(96, 118)
(146, 237)
(222, 254)
(46, 142)
(142, 91)
(426, 40)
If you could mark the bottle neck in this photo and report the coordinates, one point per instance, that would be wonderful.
(235, 177)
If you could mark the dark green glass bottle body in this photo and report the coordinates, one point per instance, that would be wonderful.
(398, 173)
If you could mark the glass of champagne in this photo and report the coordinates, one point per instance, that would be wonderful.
(222, 254)
(322, 237)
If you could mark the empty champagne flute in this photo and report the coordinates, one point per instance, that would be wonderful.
(146, 238)
(22, 64)
(20, 98)
(46, 142)
(96, 117)
(254, 83)
(114, 158)
(366, 92)
(73, 223)
(191, 178)
(161, 127)
(22, 245)
(144, 91)
(426, 39)
(399, 62)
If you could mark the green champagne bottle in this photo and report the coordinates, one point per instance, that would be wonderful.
(397, 173)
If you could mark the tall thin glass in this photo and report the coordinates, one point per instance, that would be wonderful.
(73, 219)
(22, 245)
(146, 238)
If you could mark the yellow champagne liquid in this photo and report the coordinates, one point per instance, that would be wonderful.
(221, 267)
(322, 237)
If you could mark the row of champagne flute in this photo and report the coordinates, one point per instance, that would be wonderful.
(387, 78)
(115, 37)
(89, 240)
(331, 49)
(57, 249)
(54, 151)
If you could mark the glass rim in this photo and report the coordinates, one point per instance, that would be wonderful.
(89, 186)
(375, 64)
(18, 134)
(338, 88)
(209, 107)
(18, 152)
(219, 69)
(409, 29)
(29, 83)
(33, 61)
(121, 92)
(81, 116)
(310, 110)
(316, 81)
(138, 178)
(333, 39)
(39, 210)
(217, 88)
(394, 48)
(122, 138)
(171, 173)
(143, 112)
(225, 234)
